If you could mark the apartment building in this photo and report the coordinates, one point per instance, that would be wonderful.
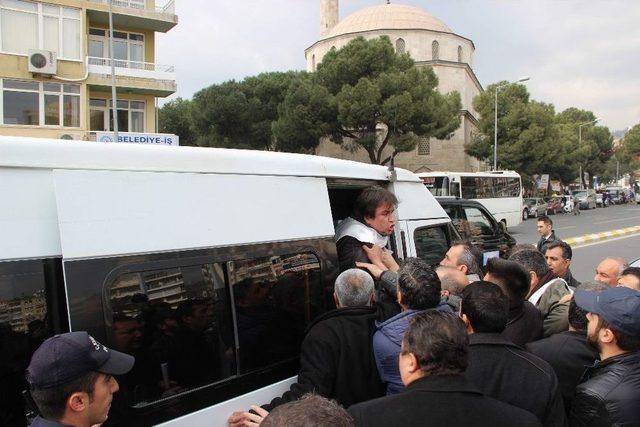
(55, 66)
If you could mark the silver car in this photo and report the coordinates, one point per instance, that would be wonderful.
(535, 206)
(587, 198)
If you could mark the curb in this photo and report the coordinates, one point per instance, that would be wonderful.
(588, 238)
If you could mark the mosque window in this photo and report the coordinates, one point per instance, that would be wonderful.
(459, 53)
(435, 50)
(424, 147)
(400, 46)
(313, 62)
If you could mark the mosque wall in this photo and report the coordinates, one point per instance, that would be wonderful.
(418, 43)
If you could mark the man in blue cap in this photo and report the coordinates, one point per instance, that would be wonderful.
(610, 391)
(71, 380)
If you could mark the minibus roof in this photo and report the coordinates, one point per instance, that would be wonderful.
(22, 152)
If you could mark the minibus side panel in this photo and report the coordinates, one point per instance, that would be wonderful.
(106, 213)
(28, 218)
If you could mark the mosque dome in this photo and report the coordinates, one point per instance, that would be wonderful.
(388, 17)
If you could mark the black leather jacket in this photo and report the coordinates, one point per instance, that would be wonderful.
(609, 394)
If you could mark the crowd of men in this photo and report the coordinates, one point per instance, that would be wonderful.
(515, 342)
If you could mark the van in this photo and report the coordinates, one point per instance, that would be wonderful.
(136, 243)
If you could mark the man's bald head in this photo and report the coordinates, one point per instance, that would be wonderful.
(609, 270)
(452, 279)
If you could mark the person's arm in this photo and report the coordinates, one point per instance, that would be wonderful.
(555, 414)
(349, 252)
(588, 410)
(317, 370)
(554, 311)
(557, 320)
(248, 419)
(381, 257)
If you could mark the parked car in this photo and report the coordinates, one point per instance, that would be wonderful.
(567, 203)
(599, 199)
(616, 195)
(476, 224)
(537, 206)
(587, 198)
(554, 205)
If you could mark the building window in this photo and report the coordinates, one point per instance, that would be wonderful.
(130, 115)
(25, 25)
(128, 48)
(435, 50)
(38, 103)
(459, 53)
(424, 147)
(313, 62)
(400, 46)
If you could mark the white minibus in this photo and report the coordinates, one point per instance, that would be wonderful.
(206, 264)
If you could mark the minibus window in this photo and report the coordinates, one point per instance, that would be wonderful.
(431, 243)
(24, 324)
(177, 323)
(200, 324)
(275, 298)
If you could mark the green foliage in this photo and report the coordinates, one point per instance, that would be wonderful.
(631, 147)
(240, 114)
(381, 101)
(305, 115)
(525, 130)
(532, 139)
(175, 117)
(359, 58)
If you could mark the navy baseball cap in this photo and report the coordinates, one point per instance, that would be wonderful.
(66, 357)
(619, 307)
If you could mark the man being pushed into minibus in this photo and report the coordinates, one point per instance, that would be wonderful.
(371, 223)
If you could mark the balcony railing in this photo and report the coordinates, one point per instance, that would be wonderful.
(131, 68)
(167, 8)
(134, 65)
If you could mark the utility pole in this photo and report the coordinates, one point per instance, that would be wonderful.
(114, 101)
(580, 143)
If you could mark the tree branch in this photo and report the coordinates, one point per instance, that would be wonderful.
(388, 159)
(383, 144)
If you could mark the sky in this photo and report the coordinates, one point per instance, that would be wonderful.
(581, 53)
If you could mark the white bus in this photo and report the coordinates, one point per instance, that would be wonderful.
(500, 191)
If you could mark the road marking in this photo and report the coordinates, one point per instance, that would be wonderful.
(604, 235)
(568, 226)
(603, 241)
(616, 220)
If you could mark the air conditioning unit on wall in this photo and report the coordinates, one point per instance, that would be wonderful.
(42, 62)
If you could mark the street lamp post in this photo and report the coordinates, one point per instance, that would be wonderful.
(580, 143)
(114, 101)
(495, 129)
